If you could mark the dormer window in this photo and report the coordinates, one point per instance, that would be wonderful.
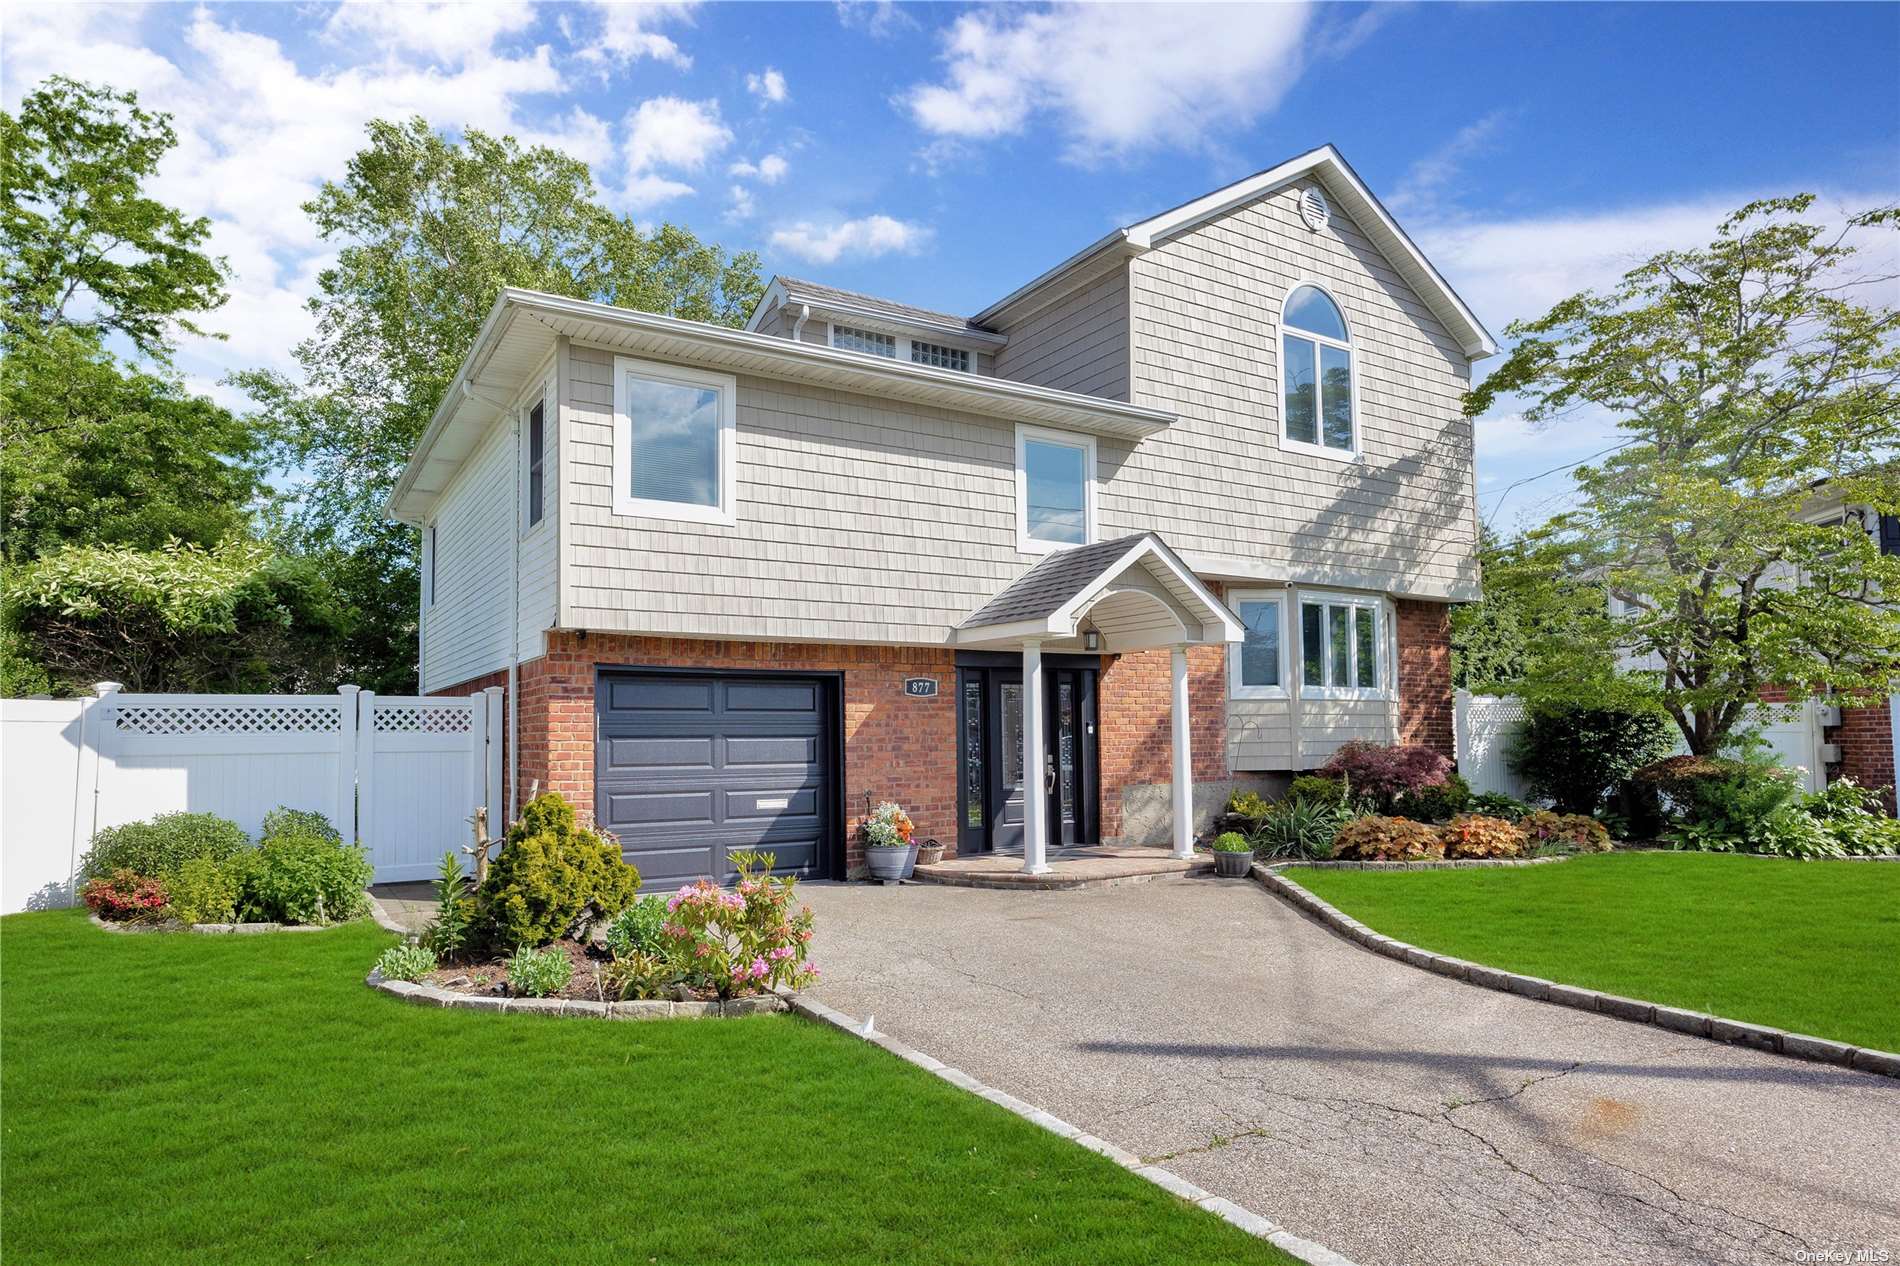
(869, 342)
(939, 356)
(1316, 375)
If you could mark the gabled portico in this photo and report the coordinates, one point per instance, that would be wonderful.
(1112, 597)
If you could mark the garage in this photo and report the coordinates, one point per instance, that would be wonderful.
(691, 767)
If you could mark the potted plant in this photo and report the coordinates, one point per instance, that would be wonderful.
(1233, 856)
(888, 850)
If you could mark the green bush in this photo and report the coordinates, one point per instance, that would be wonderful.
(1232, 842)
(549, 877)
(205, 891)
(1855, 817)
(302, 872)
(1300, 828)
(641, 976)
(636, 930)
(1754, 809)
(448, 933)
(1495, 804)
(406, 962)
(1250, 807)
(1317, 789)
(537, 973)
(1435, 804)
(1576, 755)
(160, 846)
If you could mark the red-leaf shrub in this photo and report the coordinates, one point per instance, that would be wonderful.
(1386, 771)
(125, 894)
(1377, 839)
(1474, 835)
(1577, 831)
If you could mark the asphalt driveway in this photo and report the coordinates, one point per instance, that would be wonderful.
(1395, 1116)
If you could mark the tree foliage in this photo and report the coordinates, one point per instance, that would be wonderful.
(428, 232)
(1531, 617)
(1742, 375)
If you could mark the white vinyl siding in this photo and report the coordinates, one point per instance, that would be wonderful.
(1078, 342)
(465, 627)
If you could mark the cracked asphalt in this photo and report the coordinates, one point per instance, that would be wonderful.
(1395, 1116)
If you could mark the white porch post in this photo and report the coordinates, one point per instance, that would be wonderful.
(1183, 760)
(1035, 825)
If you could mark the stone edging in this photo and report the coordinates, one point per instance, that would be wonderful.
(1453, 863)
(651, 1009)
(1167, 1180)
(1676, 1019)
(210, 929)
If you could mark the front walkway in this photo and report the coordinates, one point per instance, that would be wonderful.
(1090, 867)
(1390, 1114)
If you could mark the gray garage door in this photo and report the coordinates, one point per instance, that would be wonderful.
(690, 769)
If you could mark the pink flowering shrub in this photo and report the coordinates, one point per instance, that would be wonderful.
(1385, 771)
(742, 940)
(125, 895)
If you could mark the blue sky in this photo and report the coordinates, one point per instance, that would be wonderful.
(944, 154)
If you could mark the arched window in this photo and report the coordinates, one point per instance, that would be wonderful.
(1316, 371)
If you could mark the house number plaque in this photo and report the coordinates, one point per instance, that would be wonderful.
(921, 687)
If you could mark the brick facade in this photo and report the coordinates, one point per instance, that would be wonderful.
(1425, 698)
(1135, 705)
(1865, 735)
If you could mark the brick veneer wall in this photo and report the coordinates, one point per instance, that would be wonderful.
(1135, 708)
(895, 747)
(1866, 738)
(1425, 699)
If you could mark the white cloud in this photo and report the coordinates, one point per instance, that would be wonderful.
(1423, 186)
(671, 132)
(743, 206)
(866, 238)
(768, 87)
(1114, 77)
(443, 31)
(641, 192)
(770, 170)
(627, 33)
(879, 18)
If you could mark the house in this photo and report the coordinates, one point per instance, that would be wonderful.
(1183, 513)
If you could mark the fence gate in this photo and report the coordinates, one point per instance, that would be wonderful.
(402, 775)
(1484, 729)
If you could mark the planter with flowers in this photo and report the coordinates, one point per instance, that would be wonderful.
(888, 849)
(1233, 856)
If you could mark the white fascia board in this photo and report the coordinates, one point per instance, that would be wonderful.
(446, 409)
(1117, 241)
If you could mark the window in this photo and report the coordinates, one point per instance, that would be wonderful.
(1316, 374)
(1055, 489)
(1254, 666)
(869, 341)
(428, 566)
(673, 442)
(1340, 645)
(936, 354)
(537, 461)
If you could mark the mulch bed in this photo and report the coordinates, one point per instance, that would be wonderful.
(489, 976)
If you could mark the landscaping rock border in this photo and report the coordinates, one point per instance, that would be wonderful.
(1676, 1019)
(212, 929)
(1454, 863)
(651, 1009)
(1169, 1181)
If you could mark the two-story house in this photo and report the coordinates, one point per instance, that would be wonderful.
(1185, 512)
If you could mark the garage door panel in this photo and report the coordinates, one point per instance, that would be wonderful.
(791, 749)
(659, 694)
(633, 809)
(636, 755)
(771, 806)
(748, 696)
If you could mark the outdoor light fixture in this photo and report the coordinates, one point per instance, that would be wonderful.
(1091, 641)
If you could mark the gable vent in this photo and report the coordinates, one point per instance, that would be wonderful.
(1313, 209)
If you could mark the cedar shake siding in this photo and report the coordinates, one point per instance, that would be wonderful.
(1077, 342)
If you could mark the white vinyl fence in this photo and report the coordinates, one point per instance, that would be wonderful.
(400, 774)
(1484, 728)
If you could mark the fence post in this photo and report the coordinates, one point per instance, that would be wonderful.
(348, 809)
(95, 715)
(489, 768)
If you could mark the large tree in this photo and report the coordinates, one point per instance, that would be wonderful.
(428, 231)
(1754, 384)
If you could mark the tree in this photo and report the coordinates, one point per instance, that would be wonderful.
(429, 231)
(1532, 623)
(1742, 375)
(81, 245)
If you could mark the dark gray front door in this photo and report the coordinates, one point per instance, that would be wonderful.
(990, 722)
(692, 768)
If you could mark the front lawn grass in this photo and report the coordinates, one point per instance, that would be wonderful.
(245, 1099)
(1810, 947)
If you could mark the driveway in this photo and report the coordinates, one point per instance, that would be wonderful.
(1393, 1115)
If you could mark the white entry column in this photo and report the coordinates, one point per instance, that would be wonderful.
(1183, 760)
(1035, 800)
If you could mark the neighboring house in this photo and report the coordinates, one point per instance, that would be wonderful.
(1208, 476)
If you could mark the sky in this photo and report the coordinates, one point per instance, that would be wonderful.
(944, 154)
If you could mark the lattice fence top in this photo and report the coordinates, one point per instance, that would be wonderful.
(220, 718)
(416, 718)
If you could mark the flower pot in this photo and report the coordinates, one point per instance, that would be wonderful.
(1233, 865)
(887, 863)
(929, 854)
(910, 861)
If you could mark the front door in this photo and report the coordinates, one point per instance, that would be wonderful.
(991, 702)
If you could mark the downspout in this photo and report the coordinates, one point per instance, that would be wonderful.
(514, 625)
(804, 315)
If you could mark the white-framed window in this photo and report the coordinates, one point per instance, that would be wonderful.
(1055, 489)
(537, 461)
(1318, 383)
(1256, 666)
(675, 442)
(870, 342)
(428, 566)
(1343, 646)
(936, 354)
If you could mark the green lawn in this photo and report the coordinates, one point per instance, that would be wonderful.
(1806, 946)
(245, 1099)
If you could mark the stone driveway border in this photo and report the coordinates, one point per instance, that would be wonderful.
(1637, 1010)
(1166, 1179)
